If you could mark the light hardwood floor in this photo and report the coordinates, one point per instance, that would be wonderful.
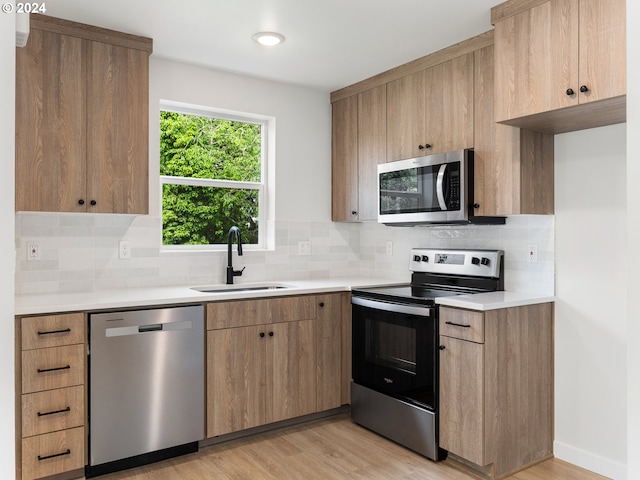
(332, 448)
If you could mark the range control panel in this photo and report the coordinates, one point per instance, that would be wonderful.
(483, 263)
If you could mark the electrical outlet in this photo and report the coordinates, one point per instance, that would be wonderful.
(304, 248)
(389, 247)
(33, 251)
(124, 249)
(532, 253)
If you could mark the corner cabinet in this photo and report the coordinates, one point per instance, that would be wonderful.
(496, 387)
(358, 145)
(82, 116)
(272, 359)
(560, 64)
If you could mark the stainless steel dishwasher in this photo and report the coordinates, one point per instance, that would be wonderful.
(146, 386)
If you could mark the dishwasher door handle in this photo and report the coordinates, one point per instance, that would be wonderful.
(153, 327)
(150, 328)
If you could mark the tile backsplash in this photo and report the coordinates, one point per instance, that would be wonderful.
(79, 252)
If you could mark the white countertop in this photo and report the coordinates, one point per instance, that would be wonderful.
(179, 294)
(174, 295)
(494, 300)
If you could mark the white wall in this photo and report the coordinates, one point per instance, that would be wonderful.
(303, 129)
(633, 226)
(7, 260)
(591, 324)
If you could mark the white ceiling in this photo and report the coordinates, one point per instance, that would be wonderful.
(329, 43)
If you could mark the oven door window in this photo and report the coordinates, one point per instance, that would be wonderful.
(395, 354)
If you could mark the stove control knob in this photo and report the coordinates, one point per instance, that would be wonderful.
(475, 260)
(416, 258)
(485, 261)
(425, 258)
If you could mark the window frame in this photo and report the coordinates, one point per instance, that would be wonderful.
(265, 194)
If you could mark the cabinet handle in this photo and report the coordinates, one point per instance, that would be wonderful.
(66, 330)
(458, 325)
(93, 202)
(271, 334)
(261, 334)
(442, 347)
(67, 452)
(570, 91)
(584, 88)
(45, 370)
(321, 304)
(420, 147)
(81, 202)
(353, 212)
(476, 205)
(68, 409)
(427, 145)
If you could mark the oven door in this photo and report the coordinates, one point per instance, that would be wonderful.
(394, 350)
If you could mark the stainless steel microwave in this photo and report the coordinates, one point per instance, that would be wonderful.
(432, 189)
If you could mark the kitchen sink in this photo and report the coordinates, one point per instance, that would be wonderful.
(240, 288)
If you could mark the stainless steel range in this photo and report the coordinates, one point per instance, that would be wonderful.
(394, 391)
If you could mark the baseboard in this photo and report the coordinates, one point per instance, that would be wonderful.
(590, 461)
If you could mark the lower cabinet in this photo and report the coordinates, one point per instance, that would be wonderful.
(282, 362)
(496, 387)
(50, 381)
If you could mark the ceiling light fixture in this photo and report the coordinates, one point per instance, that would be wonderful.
(269, 39)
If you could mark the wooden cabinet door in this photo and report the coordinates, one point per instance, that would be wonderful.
(344, 160)
(329, 358)
(117, 129)
(602, 49)
(290, 370)
(462, 421)
(406, 129)
(372, 144)
(235, 379)
(536, 55)
(50, 123)
(448, 106)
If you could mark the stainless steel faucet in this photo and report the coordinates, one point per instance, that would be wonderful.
(230, 271)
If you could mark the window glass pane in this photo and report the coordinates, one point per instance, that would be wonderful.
(196, 215)
(204, 147)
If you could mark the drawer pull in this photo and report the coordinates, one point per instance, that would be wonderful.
(68, 409)
(458, 325)
(66, 330)
(44, 370)
(67, 452)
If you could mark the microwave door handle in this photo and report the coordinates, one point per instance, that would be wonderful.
(440, 187)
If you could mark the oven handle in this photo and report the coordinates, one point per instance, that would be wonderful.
(392, 307)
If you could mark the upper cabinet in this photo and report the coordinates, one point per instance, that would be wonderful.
(431, 111)
(82, 119)
(560, 64)
(358, 146)
(438, 103)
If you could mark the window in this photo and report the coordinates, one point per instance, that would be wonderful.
(213, 176)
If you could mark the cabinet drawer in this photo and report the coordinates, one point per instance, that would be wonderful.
(50, 368)
(53, 410)
(260, 312)
(462, 324)
(52, 331)
(53, 453)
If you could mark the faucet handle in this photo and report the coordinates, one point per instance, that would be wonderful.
(237, 273)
